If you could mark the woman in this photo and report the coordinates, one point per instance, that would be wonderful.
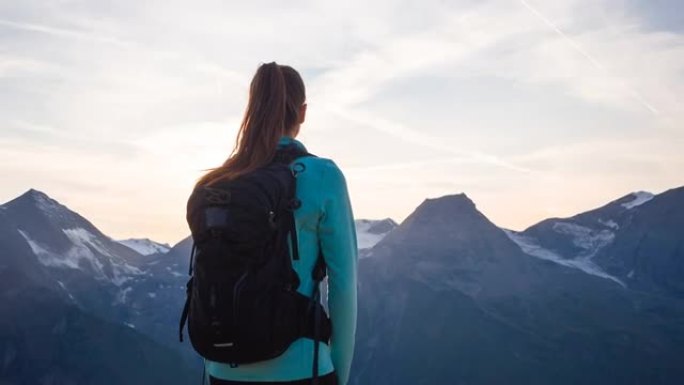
(274, 114)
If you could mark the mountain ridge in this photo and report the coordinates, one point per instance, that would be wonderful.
(445, 278)
(474, 301)
(587, 241)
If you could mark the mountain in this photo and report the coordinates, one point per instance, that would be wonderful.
(635, 241)
(46, 337)
(62, 253)
(450, 285)
(62, 238)
(157, 301)
(595, 298)
(64, 345)
(69, 253)
(129, 286)
(145, 246)
(369, 232)
(583, 235)
(648, 251)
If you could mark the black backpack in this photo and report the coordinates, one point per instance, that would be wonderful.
(242, 302)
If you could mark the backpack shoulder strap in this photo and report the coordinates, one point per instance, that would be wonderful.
(286, 155)
(289, 154)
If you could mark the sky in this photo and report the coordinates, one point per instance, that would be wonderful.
(533, 108)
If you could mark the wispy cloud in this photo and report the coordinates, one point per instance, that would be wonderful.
(13, 65)
(88, 36)
(523, 102)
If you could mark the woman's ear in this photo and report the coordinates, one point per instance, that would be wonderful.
(302, 114)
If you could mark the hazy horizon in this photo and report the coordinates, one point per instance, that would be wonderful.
(533, 109)
(398, 220)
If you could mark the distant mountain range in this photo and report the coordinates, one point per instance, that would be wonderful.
(449, 298)
(131, 289)
(370, 232)
(445, 297)
(145, 246)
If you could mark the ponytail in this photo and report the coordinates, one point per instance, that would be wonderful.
(275, 96)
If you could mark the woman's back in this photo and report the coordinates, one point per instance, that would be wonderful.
(324, 218)
(324, 224)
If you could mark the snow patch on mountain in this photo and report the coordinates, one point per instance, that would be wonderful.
(529, 246)
(122, 295)
(590, 240)
(145, 246)
(370, 232)
(81, 239)
(71, 297)
(609, 223)
(640, 198)
(366, 240)
(82, 253)
(84, 240)
(43, 201)
(174, 273)
(48, 258)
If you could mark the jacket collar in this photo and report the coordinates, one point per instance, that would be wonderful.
(286, 140)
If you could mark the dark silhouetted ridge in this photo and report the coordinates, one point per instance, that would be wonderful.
(33, 197)
(452, 217)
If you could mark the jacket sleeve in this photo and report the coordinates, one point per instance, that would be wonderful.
(337, 235)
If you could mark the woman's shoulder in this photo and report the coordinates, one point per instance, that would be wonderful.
(324, 167)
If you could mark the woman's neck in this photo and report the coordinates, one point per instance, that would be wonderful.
(293, 132)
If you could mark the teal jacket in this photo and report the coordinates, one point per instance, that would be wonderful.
(325, 215)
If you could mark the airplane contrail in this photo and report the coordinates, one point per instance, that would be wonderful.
(411, 135)
(574, 44)
(63, 32)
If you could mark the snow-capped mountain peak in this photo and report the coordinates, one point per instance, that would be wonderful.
(145, 246)
(639, 198)
(64, 240)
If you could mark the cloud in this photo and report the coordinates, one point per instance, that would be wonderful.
(16, 65)
(514, 101)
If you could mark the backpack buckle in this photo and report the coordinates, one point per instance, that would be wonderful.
(297, 168)
(271, 220)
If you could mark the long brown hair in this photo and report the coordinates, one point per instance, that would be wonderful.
(275, 97)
